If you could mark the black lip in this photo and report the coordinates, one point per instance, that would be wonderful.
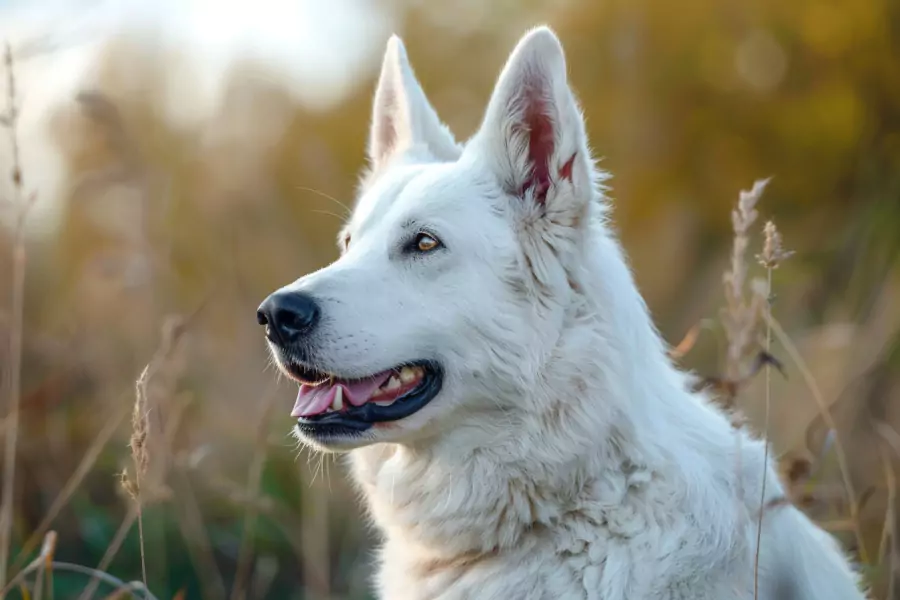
(357, 419)
(304, 374)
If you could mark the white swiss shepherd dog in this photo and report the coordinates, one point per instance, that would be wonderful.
(482, 352)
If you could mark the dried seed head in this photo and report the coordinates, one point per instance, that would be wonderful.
(745, 214)
(773, 253)
(140, 427)
(741, 314)
(128, 485)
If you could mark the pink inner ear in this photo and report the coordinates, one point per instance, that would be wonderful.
(540, 139)
(565, 172)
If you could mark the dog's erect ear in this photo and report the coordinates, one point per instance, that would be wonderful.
(402, 117)
(533, 133)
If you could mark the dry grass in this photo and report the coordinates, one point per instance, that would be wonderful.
(136, 487)
(44, 566)
(140, 429)
(146, 486)
(151, 450)
(772, 256)
(254, 476)
(87, 462)
(155, 391)
(163, 473)
(746, 354)
(20, 204)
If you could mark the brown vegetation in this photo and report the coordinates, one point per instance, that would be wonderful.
(168, 237)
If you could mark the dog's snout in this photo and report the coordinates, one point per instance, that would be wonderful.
(288, 316)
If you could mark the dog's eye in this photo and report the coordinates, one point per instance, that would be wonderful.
(426, 243)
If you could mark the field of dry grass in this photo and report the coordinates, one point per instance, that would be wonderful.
(145, 439)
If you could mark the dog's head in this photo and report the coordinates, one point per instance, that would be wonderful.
(459, 265)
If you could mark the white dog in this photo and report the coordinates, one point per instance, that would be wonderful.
(516, 427)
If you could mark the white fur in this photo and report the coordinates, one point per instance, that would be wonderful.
(564, 457)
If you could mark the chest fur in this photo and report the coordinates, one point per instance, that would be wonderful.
(579, 560)
(617, 534)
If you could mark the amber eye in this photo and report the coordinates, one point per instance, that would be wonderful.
(426, 243)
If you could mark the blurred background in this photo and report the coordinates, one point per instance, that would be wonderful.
(180, 159)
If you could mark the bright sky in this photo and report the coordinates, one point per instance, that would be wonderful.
(319, 47)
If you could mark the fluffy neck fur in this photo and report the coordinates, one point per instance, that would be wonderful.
(596, 431)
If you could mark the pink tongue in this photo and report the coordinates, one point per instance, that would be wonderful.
(314, 400)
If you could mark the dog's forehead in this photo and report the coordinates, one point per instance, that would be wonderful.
(421, 192)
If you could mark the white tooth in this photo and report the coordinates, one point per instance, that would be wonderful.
(338, 402)
(392, 384)
(384, 402)
(407, 374)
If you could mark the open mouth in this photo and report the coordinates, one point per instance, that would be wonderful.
(330, 405)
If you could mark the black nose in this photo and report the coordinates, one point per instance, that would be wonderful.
(288, 316)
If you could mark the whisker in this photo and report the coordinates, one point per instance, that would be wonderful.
(324, 195)
(329, 213)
